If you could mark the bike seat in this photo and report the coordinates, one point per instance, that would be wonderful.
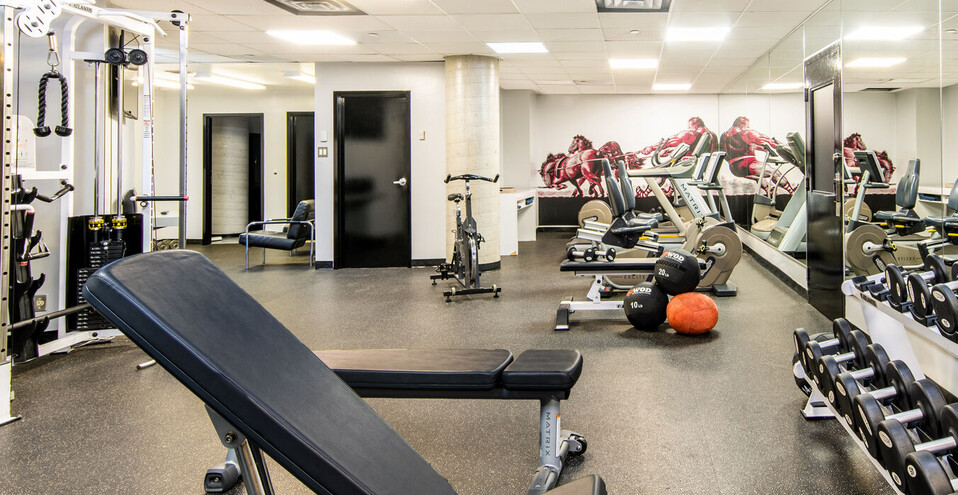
(457, 197)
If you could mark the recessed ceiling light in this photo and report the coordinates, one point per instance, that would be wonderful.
(875, 62)
(951, 30)
(227, 81)
(633, 63)
(697, 33)
(299, 76)
(634, 32)
(374, 34)
(883, 33)
(782, 85)
(311, 37)
(671, 86)
(519, 47)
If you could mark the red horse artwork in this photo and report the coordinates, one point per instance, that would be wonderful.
(579, 166)
(855, 143)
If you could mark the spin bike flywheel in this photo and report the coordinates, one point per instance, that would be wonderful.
(858, 260)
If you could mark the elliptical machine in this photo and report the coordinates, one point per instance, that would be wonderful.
(465, 251)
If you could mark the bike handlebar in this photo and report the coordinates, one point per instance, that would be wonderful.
(471, 177)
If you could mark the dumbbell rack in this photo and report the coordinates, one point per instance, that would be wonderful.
(922, 348)
(820, 408)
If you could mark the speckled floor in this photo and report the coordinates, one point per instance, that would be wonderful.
(662, 412)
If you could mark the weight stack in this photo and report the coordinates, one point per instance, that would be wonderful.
(89, 250)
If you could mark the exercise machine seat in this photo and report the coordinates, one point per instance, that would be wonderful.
(295, 235)
(247, 367)
(445, 369)
(628, 191)
(906, 196)
(538, 369)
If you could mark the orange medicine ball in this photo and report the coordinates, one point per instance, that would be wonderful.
(692, 313)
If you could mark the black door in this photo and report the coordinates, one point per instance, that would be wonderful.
(372, 220)
(823, 115)
(251, 203)
(299, 158)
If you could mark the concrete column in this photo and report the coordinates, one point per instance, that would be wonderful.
(472, 145)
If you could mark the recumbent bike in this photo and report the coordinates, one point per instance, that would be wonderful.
(465, 251)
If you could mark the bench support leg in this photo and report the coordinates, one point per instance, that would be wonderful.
(554, 447)
(252, 464)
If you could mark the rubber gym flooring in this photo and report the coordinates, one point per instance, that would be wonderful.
(663, 413)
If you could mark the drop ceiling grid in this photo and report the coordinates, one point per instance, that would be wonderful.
(579, 39)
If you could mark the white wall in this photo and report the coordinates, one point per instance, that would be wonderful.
(272, 103)
(949, 133)
(517, 108)
(426, 84)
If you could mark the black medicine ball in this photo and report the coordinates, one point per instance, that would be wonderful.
(645, 306)
(677, 271)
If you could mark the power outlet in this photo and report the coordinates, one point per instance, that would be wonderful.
(39, 303)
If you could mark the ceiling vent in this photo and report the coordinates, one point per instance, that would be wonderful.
(317, 7)
(633, 5)
(878, 90)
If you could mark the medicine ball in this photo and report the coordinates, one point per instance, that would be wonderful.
(645, 306)
(692, 313)
(677, 271)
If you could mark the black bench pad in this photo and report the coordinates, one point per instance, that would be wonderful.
(446, 369)
(617, 266)
(543, 370)
(586, 485)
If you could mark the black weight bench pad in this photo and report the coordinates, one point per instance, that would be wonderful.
(449, 369)
(642, 265)
(455, 369)
(245, 365)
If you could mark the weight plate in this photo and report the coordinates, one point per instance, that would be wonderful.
(926, 397)
(859, 346)
(899, 376)
(936, 265)
(859, 261)
(895, 281)
(137, 56)
(595, 210)
(945, 305)
(919, 293)
(115, 56)
(877, 359)
(949, 421)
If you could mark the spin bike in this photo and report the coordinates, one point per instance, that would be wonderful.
(465, 252)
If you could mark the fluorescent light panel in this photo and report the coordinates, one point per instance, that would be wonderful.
(633, 63)
(519, 47)
(782, 85)
(697, 33)
(884, 33)
(671, 86)
(228, 81)
(310, 37)
(875, 62)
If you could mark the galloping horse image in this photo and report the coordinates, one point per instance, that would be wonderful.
(574, 168)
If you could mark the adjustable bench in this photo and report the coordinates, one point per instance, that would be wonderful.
(267, 393)
(598, 270)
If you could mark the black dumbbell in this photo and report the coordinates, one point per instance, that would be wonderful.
(842, 341)
(926, 475)
(945, 305)
(926, 402)
(896, 442)
(591, 253)
(869, 368)
(898, 377)
(854, 356)
(899, 296)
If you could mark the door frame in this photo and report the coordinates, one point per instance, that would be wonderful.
(290, 138)
(821, 295)
(340, 166)
(208, 169)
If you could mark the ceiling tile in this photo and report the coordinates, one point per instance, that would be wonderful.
(420, 22)
(625, 34)
(419, 58)
(534, 6)
(237, 7)
(338, 23)
(578, 55)
(570, 34)
(402, 49)
(458, 36)
(518, 85)
(709, 5)
(227, 49)
(807, 6)
(489, 22)
(476, 7)
(598, 89)
(572, 46)
(217, 23)
(162, 6)
(392, 7)
(771, 19)
(702, 19)
(460, 48)
(634, 49)
(570, 21)
(506, 36)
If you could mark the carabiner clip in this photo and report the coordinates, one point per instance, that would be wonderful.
(53, 56)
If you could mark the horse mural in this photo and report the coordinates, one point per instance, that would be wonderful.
(855, 143)
(580, 165)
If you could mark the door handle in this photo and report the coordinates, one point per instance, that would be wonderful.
(401, 182)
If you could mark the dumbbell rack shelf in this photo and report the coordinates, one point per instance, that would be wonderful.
(922, 348)
(817, 398)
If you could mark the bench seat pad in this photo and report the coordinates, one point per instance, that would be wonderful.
(537, 369)
(630, 265)
(443, 369)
